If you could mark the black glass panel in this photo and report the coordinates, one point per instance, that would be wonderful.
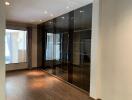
(83, 18)
(68, 46)
(81, 58)
(49, 26)
(62, 23)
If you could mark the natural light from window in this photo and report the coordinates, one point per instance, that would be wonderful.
(15, 46)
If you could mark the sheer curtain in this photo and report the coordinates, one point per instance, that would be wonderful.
(15, 46)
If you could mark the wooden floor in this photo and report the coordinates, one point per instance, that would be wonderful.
(38, 85)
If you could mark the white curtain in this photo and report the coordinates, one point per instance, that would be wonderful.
(15, 46)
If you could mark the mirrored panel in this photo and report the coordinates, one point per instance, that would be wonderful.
(67, 46)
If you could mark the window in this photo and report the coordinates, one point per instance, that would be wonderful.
(15, 46)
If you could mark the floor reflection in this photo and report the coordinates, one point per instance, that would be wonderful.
(24, 85)
(77, 75)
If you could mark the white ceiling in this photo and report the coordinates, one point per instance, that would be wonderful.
(32, 11)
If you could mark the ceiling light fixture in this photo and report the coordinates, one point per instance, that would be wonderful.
(45, 12)
(32, 20)
(67, 7)
(51, 15)
(40, 20)
(7, 3)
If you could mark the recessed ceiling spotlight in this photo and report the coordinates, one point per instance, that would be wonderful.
(40, 20)
(45, 12)
(32, 20)
(51, 15)
(67, 7)
(7, 3)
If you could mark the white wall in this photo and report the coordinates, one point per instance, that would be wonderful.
(2, 46)
(95, 79)
(111, 69)
(16, 66)
(116, 35)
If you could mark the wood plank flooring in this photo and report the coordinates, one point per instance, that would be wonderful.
(38, 85)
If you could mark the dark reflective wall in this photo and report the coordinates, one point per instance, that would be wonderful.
(66, 43)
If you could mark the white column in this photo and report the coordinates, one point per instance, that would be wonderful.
(2, 51)
(95, 74)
